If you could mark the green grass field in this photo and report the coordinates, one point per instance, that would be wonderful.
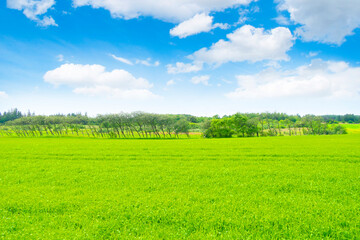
(296, 187)
(353, 128)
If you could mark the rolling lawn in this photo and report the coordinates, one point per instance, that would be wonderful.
(296, 187)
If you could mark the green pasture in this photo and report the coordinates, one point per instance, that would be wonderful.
(299, 187)
(353, 128)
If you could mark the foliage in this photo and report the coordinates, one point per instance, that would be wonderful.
(245, 125)
(182, 126)
(347, 118)
(218, 128)
(123, 125)
(10, 115)
(148, 125)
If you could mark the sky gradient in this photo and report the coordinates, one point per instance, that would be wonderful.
(180, 56)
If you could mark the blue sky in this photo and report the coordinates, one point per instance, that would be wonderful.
(180, 56)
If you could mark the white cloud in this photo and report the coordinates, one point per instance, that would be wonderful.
(248, 44)
(195, 25)
(60, 57)
(3, 94)
(199, 23)
(313, 54)
(244, 15)
(47, 21)
(123, 60)
(148, 62)
(242, 20)
(32, 9)
(222, 26)
(282, 20)
(327, 21)
(201, 79)
(272, 64)
(95, 80)
(319, 79)
(226, 81)
(184, 67)
(170, 83)
(167, 10)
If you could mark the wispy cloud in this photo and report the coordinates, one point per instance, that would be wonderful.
(282, 20)
(313, 54)
(181, 67)
(3, 94)
(123, 60)
(201, 80)
(170, 83)
(147, 62)
(60, 58)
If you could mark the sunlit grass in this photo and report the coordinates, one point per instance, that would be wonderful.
(352, 128)
(280, 187)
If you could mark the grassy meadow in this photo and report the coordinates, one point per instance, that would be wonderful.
(352, 128)
(297, 187)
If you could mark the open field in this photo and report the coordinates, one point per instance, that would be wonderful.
(81, 188)
(353, 128)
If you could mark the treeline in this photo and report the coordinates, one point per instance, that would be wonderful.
(124, 125)
(10, 115)
(347, 118)
(147, 125)
(265, 124)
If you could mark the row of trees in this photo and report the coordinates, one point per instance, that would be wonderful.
(124, 125)
(10, 115)
(146, 125)
(347, 118)
(245, 125)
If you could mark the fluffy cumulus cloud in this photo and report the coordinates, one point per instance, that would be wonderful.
(181, 67)
(95, 80)
(248, 44)
(201, 80)
(328, 21)
(167, 10)
(33, 9)
(198, 24)
(3, 94)
(319, 79)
